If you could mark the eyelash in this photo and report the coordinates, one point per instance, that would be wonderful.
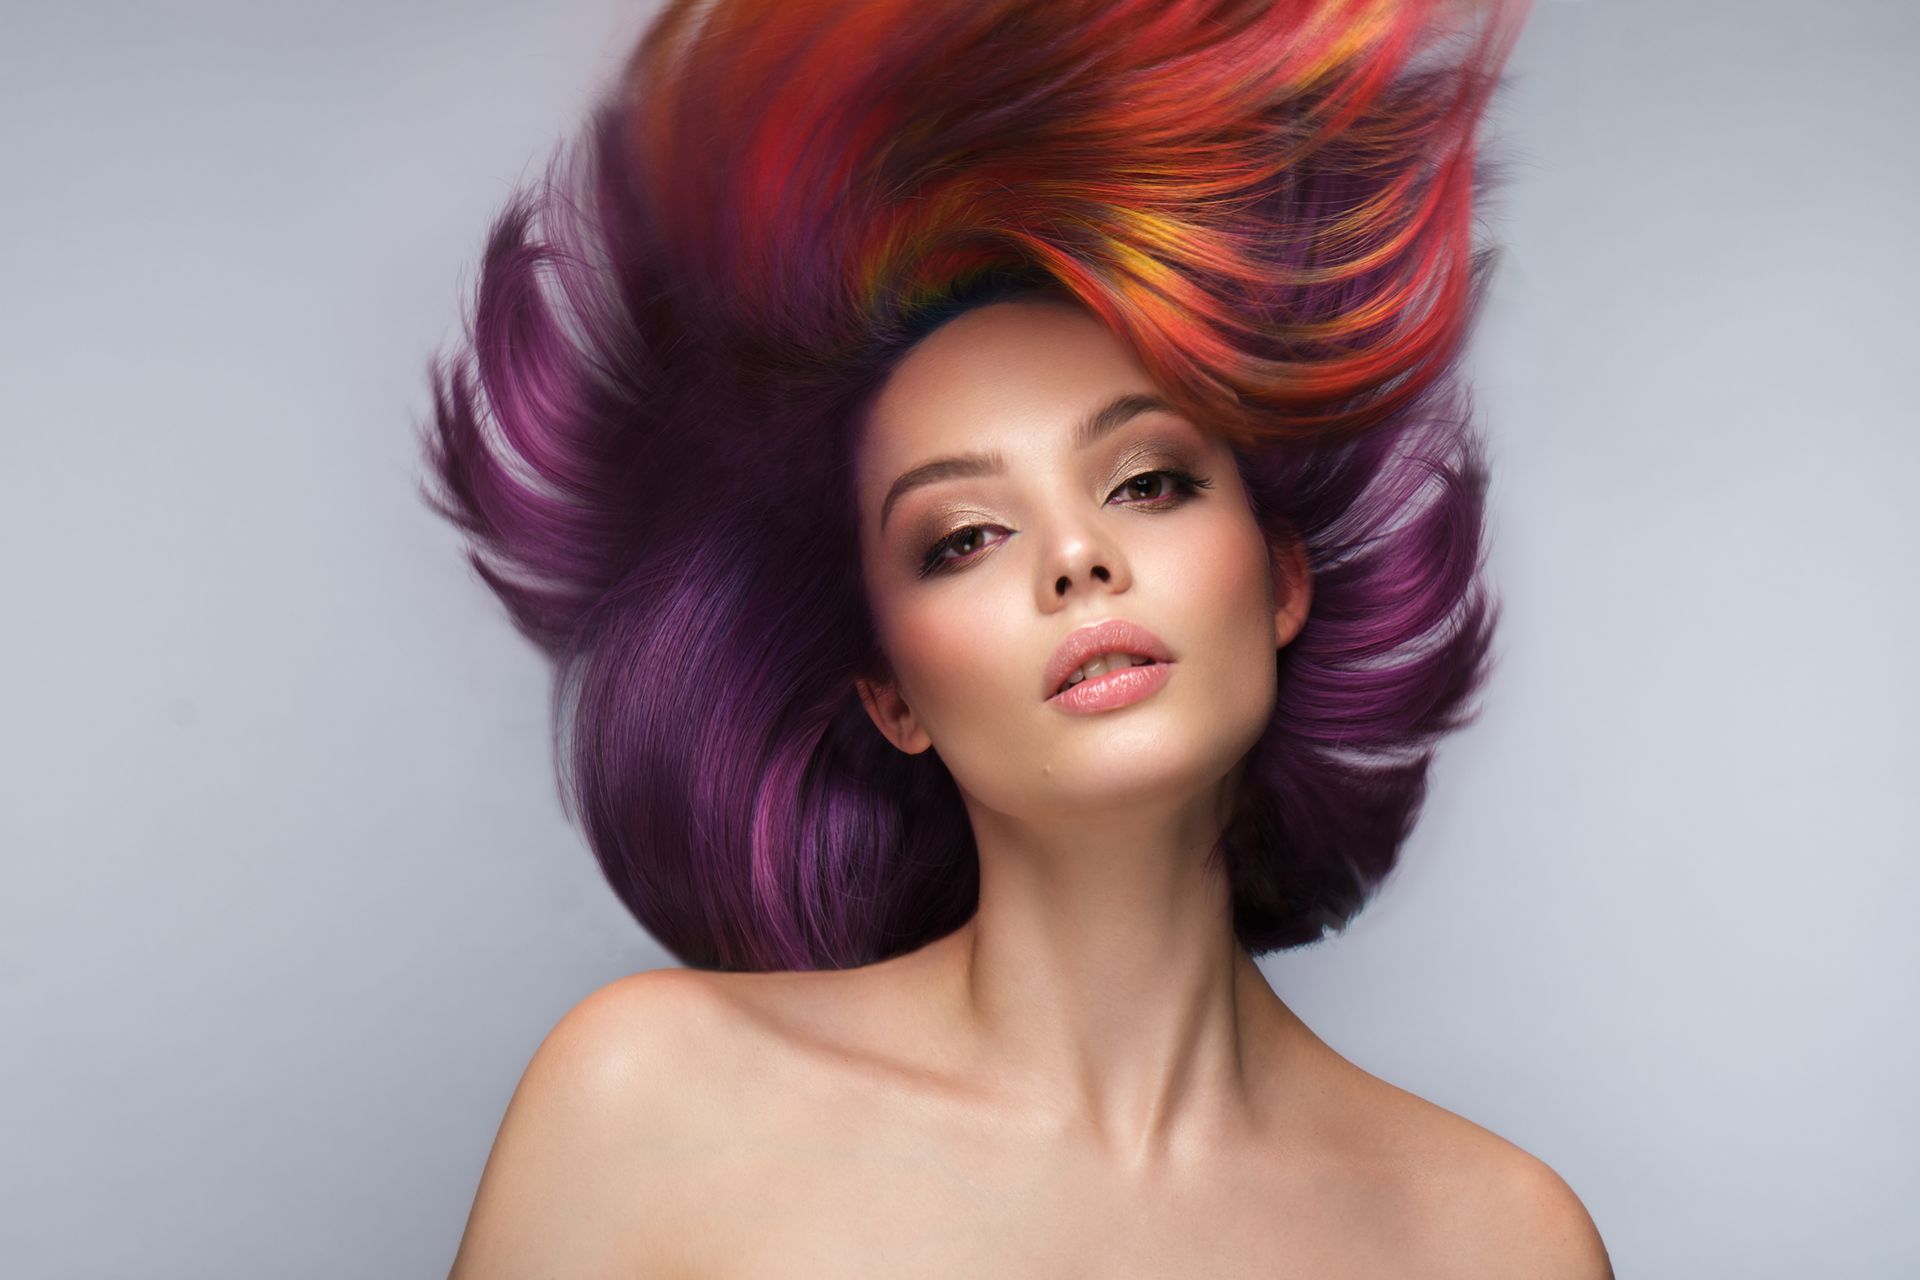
(1186, 486)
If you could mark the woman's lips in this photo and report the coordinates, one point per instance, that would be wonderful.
(1082, 644)
(1120, 687)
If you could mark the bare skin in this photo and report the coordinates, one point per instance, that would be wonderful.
(1091, 1077)
(685, 1125)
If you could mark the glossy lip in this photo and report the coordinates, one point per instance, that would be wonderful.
(1119, 688)
(1116, 635)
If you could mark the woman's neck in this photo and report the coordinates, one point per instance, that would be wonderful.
(1100, 985)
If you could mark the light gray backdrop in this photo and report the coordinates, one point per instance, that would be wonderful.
(288, 900)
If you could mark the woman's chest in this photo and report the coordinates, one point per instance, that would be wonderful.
(786, 1161)
(914, 1207)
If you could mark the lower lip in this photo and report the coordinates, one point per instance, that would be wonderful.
(1114, 689)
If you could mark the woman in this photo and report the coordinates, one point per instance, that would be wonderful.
(991, 480)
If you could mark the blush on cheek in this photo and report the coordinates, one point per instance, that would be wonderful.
(935, 656)
(1237, 572)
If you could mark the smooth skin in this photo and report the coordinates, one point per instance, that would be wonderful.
(1090, 1077)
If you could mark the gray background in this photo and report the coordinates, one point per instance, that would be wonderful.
(288, 900)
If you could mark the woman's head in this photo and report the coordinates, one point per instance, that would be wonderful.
(809, 246)
(993, 521)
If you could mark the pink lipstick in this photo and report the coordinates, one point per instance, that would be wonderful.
(1141, 667)
(1119, 688)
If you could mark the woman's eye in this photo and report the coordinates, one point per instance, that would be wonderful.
(1163, 487)
(964, 542)
(1150, 478)
(1183, 485)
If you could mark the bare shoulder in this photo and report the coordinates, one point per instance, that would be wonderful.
(598, 1113)
(1537, 1226)
(620, 1052)
(1479, 1205)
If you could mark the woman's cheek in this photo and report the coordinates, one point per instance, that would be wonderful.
(1233, 575)
(937, 653)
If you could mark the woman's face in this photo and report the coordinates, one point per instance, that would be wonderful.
(976, 575)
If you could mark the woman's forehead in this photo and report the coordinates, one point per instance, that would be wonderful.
(1008, 369)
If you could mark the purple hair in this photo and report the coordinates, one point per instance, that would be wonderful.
(648, 434)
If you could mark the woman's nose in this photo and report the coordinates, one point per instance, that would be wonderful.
(1097, 572)
(1082, 559)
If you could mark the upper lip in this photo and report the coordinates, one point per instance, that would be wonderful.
(1116, 635)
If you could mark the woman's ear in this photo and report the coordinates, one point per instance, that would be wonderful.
(891, 715)
(1292, 588)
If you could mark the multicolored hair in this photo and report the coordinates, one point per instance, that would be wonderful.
(648, 433)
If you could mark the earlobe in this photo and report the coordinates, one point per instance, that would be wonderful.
(892, 716)
(1292, 590)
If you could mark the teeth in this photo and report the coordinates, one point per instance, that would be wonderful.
(1104, 663)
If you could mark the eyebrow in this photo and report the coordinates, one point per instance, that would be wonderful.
(1109, 418)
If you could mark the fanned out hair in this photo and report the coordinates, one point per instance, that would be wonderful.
(648, 433)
